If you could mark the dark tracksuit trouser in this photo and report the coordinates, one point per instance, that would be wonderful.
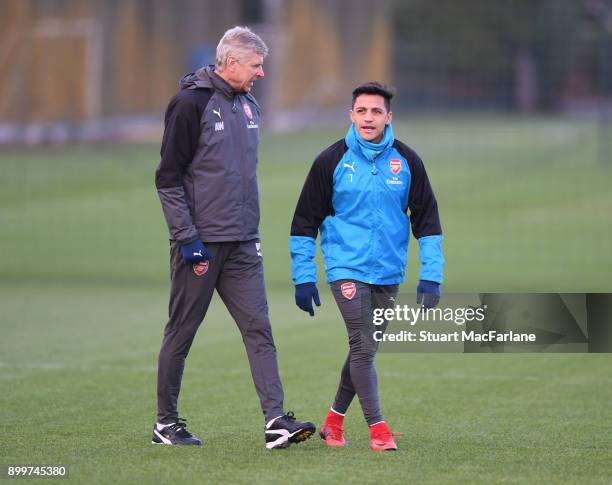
(358, 374)
(236, 271)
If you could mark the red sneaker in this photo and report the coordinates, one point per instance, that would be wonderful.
(332, 435)
(331, 430)
(381, 437)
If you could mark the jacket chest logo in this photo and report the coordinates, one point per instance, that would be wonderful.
(395, 165)
(249, 114)
(218, 124)
(352, 167)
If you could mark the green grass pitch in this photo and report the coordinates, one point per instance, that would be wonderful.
(525, 206)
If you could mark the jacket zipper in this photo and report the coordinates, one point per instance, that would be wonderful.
(375, 229)
(242, 156)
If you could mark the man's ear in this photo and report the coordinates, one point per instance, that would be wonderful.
(389, 117)
(231, 62)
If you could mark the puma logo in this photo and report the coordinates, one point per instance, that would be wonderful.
(217, 112)
(352, 167)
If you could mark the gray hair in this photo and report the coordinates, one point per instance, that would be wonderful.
(239, 42)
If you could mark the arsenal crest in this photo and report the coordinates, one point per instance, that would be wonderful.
(395, 165)
(247, 111)
(348, 290)
(200, 268)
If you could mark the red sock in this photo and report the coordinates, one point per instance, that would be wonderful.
(334, 418)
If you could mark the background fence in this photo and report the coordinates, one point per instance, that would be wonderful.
(72, 69)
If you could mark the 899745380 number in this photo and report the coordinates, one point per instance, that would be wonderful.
(33, 471)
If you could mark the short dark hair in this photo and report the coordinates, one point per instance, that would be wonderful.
(374, 87)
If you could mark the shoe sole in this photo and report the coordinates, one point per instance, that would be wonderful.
(175, 444)
(160, 440)
(339, 445)
(297, 437)
(391, 448)
(302, 435)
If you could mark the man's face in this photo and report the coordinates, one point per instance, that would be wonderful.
(242, 74)
(370, 117)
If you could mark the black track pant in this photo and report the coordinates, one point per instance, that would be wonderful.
(236, 271)
(359, 372)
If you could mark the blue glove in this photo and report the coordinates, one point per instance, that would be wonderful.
(194, 252)
(304, 294)
(428, 293)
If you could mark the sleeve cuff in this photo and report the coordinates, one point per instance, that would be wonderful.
(303, 267)
(432, 259)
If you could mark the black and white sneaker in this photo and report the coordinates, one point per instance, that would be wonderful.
(281, 432)
(174, 434)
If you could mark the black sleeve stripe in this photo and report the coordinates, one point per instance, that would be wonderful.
(315, 202)
(424, 217)
(181, 135)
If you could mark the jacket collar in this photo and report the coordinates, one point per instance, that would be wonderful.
(206, 77)
(366, 149)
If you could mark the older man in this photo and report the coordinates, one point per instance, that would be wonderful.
(207, 185)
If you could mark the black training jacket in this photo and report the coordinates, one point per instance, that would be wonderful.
(206, 179)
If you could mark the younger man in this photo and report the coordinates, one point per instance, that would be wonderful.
(358, 193)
